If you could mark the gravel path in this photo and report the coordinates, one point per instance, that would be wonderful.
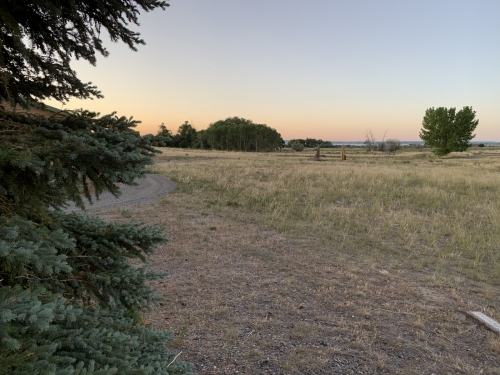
(150, 188)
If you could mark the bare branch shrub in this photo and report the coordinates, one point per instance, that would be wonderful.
(392, 144)
(369, 140)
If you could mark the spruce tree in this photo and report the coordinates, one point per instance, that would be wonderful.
(69, 294)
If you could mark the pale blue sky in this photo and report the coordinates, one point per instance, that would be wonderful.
(322, 69)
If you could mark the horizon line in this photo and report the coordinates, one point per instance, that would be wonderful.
(405, 141)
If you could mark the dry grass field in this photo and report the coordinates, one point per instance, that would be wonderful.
(281, 264)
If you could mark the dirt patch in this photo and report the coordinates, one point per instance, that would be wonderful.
(245, 299)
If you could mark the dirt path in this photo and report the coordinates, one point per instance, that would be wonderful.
(243, 299)
(150, 188)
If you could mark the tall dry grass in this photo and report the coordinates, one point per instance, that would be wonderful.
(410, 209)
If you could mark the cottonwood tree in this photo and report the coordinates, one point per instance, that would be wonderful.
(70, 300)
(239, 134)
(445, 130)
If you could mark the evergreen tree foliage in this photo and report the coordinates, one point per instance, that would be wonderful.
(445, 130)
(40, 38)
(70, 284)
(68, 288)
(239, 134)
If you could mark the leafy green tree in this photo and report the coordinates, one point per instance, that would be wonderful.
(70, 297)
(312, 143)
(163, 138)
(240, 134)
(186, 135)
(301, 141)
(445, 130)
(163, 131)
(201, 140)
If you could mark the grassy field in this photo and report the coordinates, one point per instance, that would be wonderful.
(412, 210)
(282, 264)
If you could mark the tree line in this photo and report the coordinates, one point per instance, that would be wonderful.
(311, 143)
(444, 130)
(231, 134)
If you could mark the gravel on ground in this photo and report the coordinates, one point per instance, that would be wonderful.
(148, 189)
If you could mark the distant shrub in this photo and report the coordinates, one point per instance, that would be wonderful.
(480, 145)
(382, 146)
(297, 146)
(390, 145)
(393, 145)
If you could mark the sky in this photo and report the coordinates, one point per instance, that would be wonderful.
(319, 68)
